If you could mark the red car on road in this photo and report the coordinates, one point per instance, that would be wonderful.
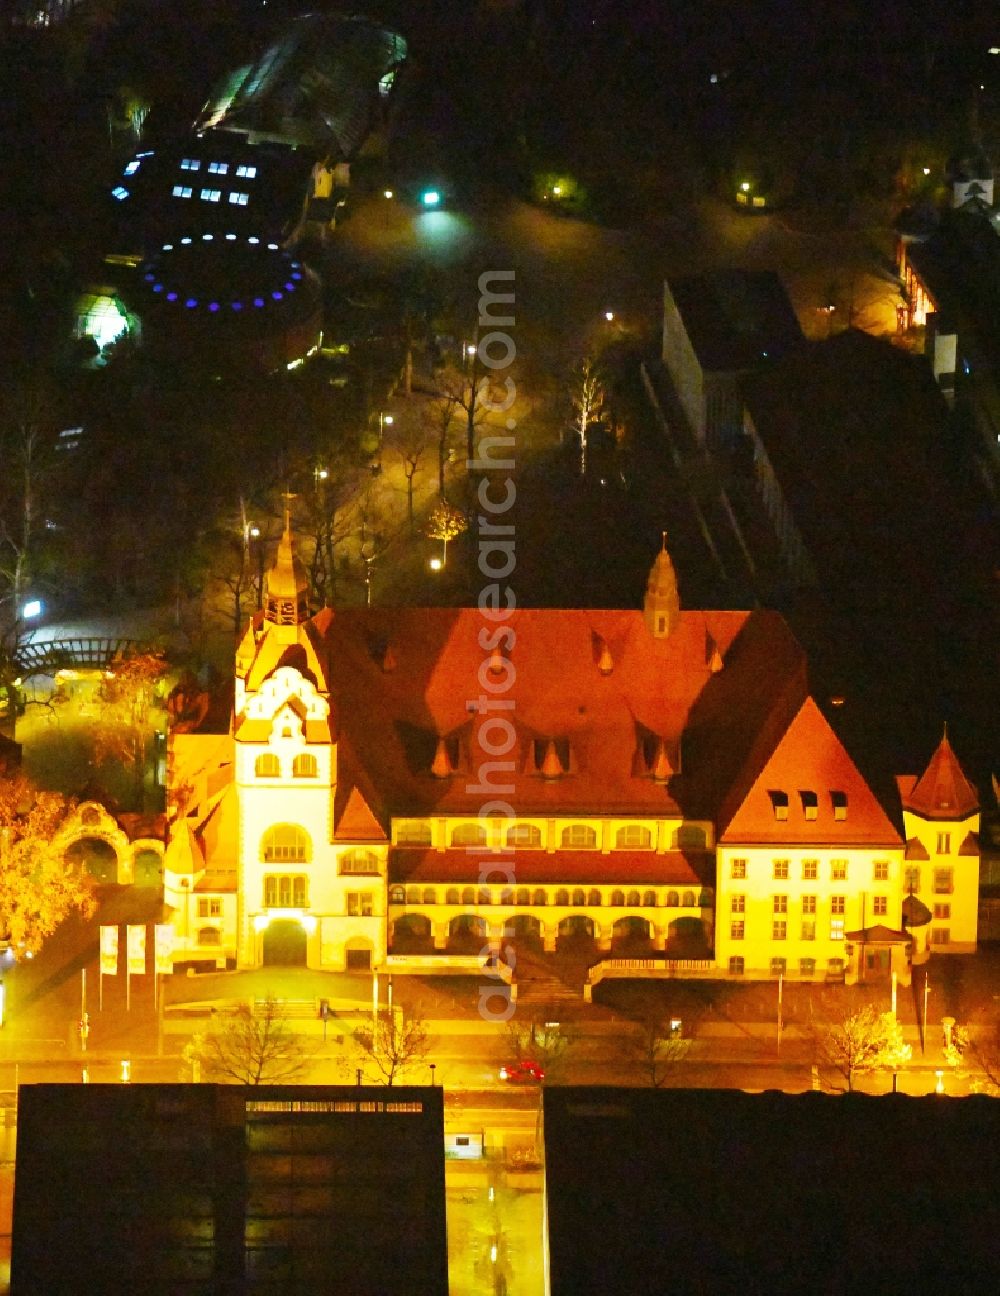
(522, 1072)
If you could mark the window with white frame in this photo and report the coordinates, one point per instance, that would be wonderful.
(579, 837)
(286, 844)
(780, 869)
(880, 906)
(838, 870)
(810, 870)
(524, 834)
(779, 929)
(738, 869)
(880, 870)
(209, 907)
(360, 904)
(808, 904)
(285, 891)
(417, 832)
(359, 861)
(737, 929)
(738, 904)
(779, 904)
(838, 904)
(736, 965)
(633, 837)
(837, 929)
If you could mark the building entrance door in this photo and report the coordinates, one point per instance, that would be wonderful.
(284, 944)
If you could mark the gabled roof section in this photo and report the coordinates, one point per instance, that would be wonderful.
(183, 854)
(356, 822)
(942, 791)
(810, 757)
(915, 849)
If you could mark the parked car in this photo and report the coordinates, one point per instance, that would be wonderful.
(522, 1072)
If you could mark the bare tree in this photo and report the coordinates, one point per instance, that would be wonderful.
(866, 1041)
(655, 1042)
(539, 1035)
(975, 1051)
(410, 444)
(250, 1048)
(393, 1042)
(588, 401)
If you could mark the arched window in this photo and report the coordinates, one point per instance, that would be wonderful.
(305, 766)
(522, 835)
(649, 899)
(286, 844)
(397, 895)
(507, 896)
(430, 895)
(468, 834)
(539, 896)
(594, 898)
(688, 900)
(633, 837)
(209, 936)
(523, 896)
(412, 895)
(705, 899)
(484, 896)
(267, 765)
(688, 837)
(579, 897)
(633, 900)
(673, 900)
(452, 896)
(415, 833)
(359, 861)
(562, 897)
(468, 896)
(579, 837)
(618, 898)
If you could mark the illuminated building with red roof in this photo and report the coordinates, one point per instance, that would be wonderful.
(417, 780)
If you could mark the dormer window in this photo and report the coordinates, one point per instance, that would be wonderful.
(779, 804)
(839, 802)
(810, 804)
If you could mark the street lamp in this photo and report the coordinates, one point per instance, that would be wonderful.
(384, 421)
(435, 564)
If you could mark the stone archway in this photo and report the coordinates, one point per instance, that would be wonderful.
(90, 824)
(412, 934)
(284, 944)
(95, 856)
(631, 935)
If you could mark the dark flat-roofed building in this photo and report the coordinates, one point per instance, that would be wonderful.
(711, 1192)
(717, 328)
(219, 1190)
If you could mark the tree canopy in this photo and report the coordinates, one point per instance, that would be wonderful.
(38, 887)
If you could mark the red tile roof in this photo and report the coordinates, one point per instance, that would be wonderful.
(605, 722)
(531, 867)
(810, 758)
(942, 791)
(356, 821)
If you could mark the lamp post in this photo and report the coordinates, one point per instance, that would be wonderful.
(384, 421)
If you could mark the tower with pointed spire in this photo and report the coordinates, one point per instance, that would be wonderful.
(941, 825)
(661, 605)
(286, 597)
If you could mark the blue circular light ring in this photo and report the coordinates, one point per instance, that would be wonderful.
(277, 294)
(258, 301)
(191, 303)
(157, 287)
(171, 296)
(213, 306)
